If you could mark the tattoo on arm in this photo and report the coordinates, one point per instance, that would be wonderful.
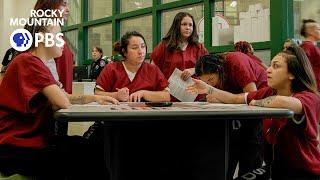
(77, 99)
(264, 102)
(210, 90)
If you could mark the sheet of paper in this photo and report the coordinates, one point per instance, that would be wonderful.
(178, 87)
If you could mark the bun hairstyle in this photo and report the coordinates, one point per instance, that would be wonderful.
(305, 22)
(243, 46)
(125, 41)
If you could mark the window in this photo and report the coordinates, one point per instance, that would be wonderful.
(167, 17)
(129, 5)
(235, 20)
(264, 55)
(100, 9)
(142, 24)
(167, 1)
(100, 36)
(75, 12)
(304, 10)
(72, 40)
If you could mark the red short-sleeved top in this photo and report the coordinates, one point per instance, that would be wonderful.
(64, 65)
(167, 61)
(239, 72)
(148, 77)
(296, 144)
(25, 113)
(313, 53)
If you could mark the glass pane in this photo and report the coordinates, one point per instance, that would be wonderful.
(129, 5)
(100, 36)
(72, 40)
(236, 20)
(196, 11)
(75, 12)
(167, 1)
(305, 10)
(141, 24)
(264, 55)
(99, 9)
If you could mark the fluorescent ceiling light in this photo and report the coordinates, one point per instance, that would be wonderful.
(233, 4)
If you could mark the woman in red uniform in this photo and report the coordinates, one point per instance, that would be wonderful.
(310, 30)
(246, 48)
(28, 98)
(64, 63)
(180, 48)
(234, 72)
(133, 79)
(291, 85)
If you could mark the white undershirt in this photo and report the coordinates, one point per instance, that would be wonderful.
(51, 64)
(130, 74)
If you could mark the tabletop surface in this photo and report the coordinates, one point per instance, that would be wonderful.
(178, 109)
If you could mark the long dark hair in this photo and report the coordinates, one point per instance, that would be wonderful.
(304, 26)
(300, 67)
(211, 64)
(125, 41)
(173, 37)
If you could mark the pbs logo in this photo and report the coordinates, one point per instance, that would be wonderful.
(21, 39)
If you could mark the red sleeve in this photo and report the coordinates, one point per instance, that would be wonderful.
(24, 83)
(65, 68)
(157, 56)
(259, 94)
(240, 69)
(106, 78)
(162, 82)
(311, 108)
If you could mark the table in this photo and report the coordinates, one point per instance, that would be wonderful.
(184, 141)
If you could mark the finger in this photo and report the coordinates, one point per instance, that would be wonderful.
(136, 98)
(187, 76)
(182, 76)
(195, 80)
(139, 97)
(131, 98)
(114, 101)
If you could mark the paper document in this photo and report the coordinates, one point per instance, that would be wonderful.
(178, 87)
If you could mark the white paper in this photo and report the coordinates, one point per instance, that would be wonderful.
(178, 87)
